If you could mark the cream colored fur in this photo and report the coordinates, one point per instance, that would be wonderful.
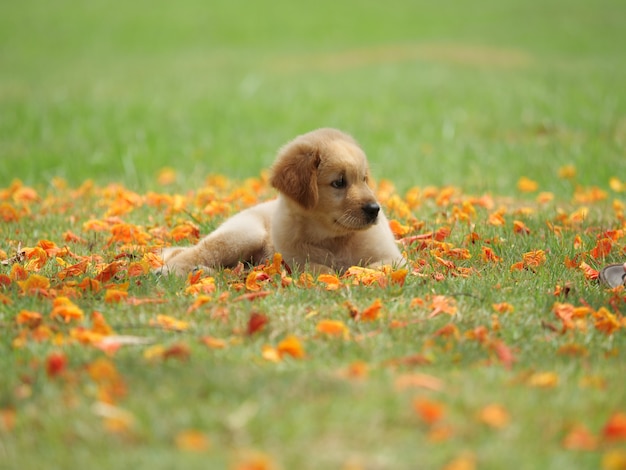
(325, 218)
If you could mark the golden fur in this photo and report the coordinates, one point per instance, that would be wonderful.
(326, 217)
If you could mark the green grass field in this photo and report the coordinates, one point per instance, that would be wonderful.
(497, 350)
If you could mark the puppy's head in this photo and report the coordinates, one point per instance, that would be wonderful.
(325, 173)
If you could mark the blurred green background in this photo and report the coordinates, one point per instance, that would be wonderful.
(474, 94)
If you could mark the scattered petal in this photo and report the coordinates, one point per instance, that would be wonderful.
(254, 461)
(332, 281)
(29, 319)
(442, 304)
(494, 415)
(257, 322)
(580, 438)
(252, 296)
(466, 461)
(116, 420)
(115, 295)
(169, 323)
(614, 460)
(615, 427)
(199, 302)
(333, 328)
(270, 353)
(544, 380)
(214, 343)
(503, 307)
(66, 310)
(192, 440)
(55, 364)
(567, 172)
(291, 346)
(372, 312)
(417, 380)
(34, 284)
(430, 411)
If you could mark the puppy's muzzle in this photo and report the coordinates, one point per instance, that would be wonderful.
(371, 210)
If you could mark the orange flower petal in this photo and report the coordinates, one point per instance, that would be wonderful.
(615, 428)
(489, 256)
(30, 319)
(442, 304)
(270, 353)
(170, 323)
(65, 309)
(580, 438)
(115, 295)
(534, 258)
(333, 328)
(199, 302)
(503, 307)
(544, 380)
(55, 364)
(494, 415)
(372, 312)
(527, 185)
(213, 343)
(332, 281)
(602, 249)
(417, 380)
(192, 440)
(430, 411)
(74, 270)
(256, 322)
(398, 229)
(291, 346)
(166, 176)
(33, 284)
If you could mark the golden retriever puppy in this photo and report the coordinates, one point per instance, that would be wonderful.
(326, 217)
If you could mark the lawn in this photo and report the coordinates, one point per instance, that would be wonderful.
(496, 132)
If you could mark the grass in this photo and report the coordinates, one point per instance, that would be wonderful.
(472, 97)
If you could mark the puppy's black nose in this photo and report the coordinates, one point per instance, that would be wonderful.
(371, 210)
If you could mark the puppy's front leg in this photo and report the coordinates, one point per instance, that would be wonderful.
(243, 237)
(182, 260)
(220, 249)
(174, 262)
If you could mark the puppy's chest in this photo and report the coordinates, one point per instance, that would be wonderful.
(339, 245)
(341, 249)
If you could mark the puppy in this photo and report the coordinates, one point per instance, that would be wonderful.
(326, 217)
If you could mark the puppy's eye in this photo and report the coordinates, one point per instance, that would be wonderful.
(339, 183)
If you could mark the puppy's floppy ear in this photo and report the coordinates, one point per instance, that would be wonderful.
(295, 173)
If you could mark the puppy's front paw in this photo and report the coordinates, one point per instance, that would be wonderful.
(168, 253)
(170, 265)
(173, 268)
